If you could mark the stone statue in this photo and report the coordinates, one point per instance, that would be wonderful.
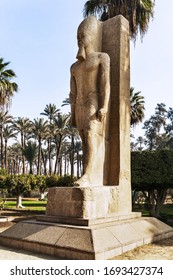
(89, 98)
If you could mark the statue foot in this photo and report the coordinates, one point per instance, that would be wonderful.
(82, 182)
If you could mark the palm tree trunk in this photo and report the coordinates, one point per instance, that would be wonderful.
(49, 155)
(6, 156)
(72, 156)
(23, 158)
(65, 165)
(60, 166)
(2, 149)
(39, 157)
(58, 152)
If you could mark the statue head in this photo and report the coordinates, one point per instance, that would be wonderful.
(88, 36)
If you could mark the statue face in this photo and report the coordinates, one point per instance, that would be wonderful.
(86, 36)
(85, 40)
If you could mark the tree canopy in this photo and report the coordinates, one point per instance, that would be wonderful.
(137, 12)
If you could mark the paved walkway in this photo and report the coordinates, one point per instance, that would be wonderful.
(14, 254)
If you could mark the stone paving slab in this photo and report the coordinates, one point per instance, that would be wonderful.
(14, 254)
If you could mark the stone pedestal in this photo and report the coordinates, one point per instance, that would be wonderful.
(95, 242)
(86, 203)
(83, 223)
(84, 206)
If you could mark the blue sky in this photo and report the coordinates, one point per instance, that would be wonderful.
(38, 37)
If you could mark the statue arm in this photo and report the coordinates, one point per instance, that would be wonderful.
(104, 92)
(73, 94)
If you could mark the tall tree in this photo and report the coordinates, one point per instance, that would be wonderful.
(60, 131)
(140, 141)
(8, 134)
(136, 107)
(40, 127)
(23, 126)
(14, 158)
(154, 125)
(30, 152)
(51, 112)
(7, 87)
(137, 12)
(5, 119)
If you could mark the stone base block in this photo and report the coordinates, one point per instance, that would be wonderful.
(86, 203)
(96, 242)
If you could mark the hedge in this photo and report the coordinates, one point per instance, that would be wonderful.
(152, 169)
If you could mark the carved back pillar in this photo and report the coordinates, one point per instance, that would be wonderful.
(115, 42)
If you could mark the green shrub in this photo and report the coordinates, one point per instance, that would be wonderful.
(152, 169)
(57, 181)
(52, 181)
(18, 184)
(2, 181)
(3, 171)
(41, 183)
(66, 181)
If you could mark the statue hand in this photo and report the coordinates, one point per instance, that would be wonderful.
(101, 114)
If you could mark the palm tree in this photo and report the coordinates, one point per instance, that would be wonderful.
(66, 102)
(74, 136)
(137, 107)
(50, 111)
(137, 12)
(14, 158)
(7, 88)
(60, 131)
(78, 153)
(40, 127)
(24, 126)
(8, 134)
(30, 152)
(5, 119)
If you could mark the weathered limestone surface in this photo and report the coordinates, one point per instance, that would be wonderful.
(89, 96)
(87, 203)
(115, 42)
(106, 141)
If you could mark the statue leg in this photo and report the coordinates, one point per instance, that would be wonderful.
(93, 150)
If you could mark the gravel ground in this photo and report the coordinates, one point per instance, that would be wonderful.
(162, 250)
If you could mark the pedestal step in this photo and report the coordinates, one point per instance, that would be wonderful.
(96, 242)
(88, 222)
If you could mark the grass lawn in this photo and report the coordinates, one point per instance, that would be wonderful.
(166, 210)
(29, 204)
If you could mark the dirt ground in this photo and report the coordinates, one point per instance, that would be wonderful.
(161, 250)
